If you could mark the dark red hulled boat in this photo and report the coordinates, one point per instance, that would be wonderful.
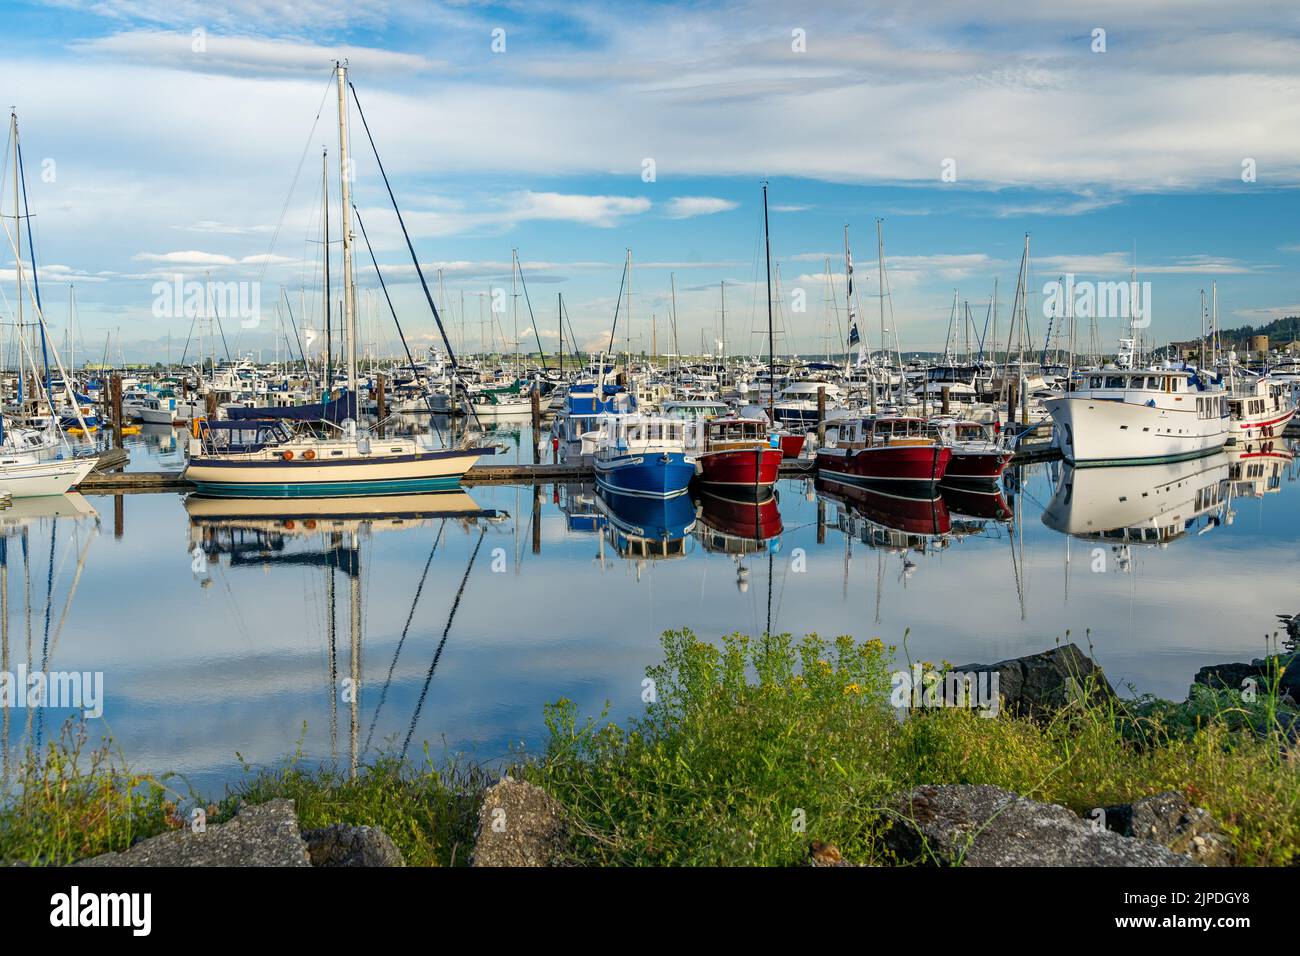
(728, 521)
(738, 458)
(916, 515)
(887, 450)
(976, 503)
(975, 456)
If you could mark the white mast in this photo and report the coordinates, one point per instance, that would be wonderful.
(18, 244)
(345, 175)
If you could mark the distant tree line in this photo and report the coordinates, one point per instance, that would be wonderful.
(1279, 331)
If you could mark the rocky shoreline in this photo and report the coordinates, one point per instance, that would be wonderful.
(520, 824)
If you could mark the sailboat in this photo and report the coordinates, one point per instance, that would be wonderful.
(35, 463)
(318, 450)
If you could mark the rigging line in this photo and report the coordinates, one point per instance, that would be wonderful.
(188, 337)
(528, 302)
(614, 328)
(428, 401)
(294, 324)
(284, 210)
(415, 717)
(49, 607)
(406, 235)
(217, 313)
(36, 281)
(573, 342)
(419, 588)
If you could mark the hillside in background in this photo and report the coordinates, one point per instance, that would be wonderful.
(1279, 331)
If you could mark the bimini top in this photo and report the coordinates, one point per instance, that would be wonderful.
(336, 411)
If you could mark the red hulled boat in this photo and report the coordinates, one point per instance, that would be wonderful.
(738, 458)
(975, 456)
(895, 451)
(919, 515)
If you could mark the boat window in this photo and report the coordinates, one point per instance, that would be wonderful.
(1153, 383)
(1094, 382)
(1114, 381)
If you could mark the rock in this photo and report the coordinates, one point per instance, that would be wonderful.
(1168, 819)
(982, 825)
(344, 845)
(1040, 684)
(262, 835)
(520, 824)
(1232, 676)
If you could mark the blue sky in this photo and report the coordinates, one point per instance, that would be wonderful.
(175, 158)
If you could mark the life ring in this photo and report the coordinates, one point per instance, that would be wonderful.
(288, 454)
(309, 454)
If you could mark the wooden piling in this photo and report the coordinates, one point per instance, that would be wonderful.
(947, 400)
(821, 415)
(536, 399)
(115, 386)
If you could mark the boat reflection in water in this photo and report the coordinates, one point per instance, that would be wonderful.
(646, 529)
(327, 533)
(643, 530)
(1255, 469)
(729, 526)
(46, 595)
(890, 521)
(578, 503)
(739, 528)
(1140, 504)
(908, 525)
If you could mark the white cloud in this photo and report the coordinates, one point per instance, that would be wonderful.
(684, 207)
(246, 55)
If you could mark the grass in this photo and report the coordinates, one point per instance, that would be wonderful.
(429, 810)
(748, 751)
(73, 800)
(755, 748)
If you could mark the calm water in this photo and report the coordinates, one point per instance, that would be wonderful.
(458, 616)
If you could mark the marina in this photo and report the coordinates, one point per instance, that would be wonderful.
(1138, 559)
(601, 438)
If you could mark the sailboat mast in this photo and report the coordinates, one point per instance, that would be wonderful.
(325, 206)
(18, 236)
(880, 268)
(345, 181)
(771, 338)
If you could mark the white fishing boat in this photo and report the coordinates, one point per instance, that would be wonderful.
(1259, 407)
(1117, 416)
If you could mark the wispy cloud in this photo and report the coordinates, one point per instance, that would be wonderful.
(245, 55)
(684, 207)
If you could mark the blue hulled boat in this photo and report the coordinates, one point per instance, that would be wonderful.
(642, 456)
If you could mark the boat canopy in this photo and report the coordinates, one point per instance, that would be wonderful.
(336, 411)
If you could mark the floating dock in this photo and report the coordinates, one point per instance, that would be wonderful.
(144, 482)
(141, 482)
